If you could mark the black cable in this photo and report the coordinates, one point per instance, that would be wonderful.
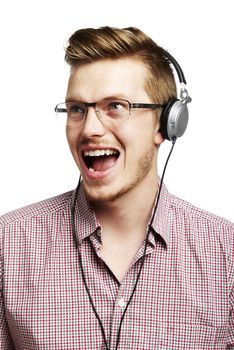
(142, 261)
(91, 301)
(82, 268)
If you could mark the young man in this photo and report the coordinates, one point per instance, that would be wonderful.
(77, 271)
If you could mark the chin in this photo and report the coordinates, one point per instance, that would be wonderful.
(99, 195)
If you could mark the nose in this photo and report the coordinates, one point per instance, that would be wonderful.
(92, 124)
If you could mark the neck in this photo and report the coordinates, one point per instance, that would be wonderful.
(129, 213)
(124, 225)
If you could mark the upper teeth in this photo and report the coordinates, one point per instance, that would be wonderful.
(101, 152)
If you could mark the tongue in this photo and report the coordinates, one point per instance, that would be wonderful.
(103, 163)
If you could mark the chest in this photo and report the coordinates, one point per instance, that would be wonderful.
(119, 258)
(175, 304)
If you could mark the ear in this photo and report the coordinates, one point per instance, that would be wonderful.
(158, 138)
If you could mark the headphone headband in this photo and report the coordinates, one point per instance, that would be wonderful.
(176, 65)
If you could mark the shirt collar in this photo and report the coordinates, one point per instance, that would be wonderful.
(85, 220)
(162, 218)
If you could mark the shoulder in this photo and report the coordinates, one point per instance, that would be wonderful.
(208, 233)
(43, 208)
(198, 216)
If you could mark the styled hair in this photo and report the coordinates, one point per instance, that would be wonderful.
(90, 45)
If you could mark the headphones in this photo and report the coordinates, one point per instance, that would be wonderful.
(174, 117)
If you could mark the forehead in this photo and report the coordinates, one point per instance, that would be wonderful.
(108, 78)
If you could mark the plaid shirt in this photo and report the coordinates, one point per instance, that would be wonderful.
(184, 298)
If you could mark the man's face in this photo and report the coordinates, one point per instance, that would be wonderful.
(129, 145)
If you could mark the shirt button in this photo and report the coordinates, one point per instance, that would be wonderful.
(121, 303)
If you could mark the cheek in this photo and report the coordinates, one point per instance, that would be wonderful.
(128, 132)
(71, 136)
(138, 136)
(138, 147)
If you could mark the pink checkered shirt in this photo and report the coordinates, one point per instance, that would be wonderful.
(184, 298)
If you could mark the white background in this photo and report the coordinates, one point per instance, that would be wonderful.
(34, 157)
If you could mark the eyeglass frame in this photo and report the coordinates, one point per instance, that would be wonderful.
(135, 105)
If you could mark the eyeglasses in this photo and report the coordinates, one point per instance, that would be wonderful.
(113, 109)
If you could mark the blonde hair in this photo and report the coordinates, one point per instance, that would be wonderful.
(90, 45)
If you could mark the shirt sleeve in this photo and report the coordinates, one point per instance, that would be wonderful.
(5, 337)
(230, 344)
(230, 264)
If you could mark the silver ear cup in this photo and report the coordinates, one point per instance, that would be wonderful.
(177, 119)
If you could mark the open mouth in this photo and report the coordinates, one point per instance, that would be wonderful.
(100, 160)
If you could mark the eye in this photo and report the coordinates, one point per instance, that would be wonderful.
(115, 108)
(116, 105)
(75, 108)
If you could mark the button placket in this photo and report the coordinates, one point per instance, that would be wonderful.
(122, 298)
